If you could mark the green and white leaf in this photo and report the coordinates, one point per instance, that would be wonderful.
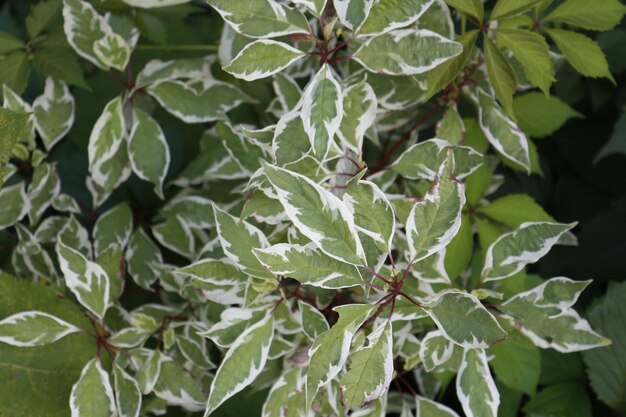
(148, 151)
(175, 234)
(149, 372)
(238, 238)
(385, 16)
(127, 393)
(107, 136)
(314, 6)
(290, 143)
(475, 386)
(263, 58)
(53, 112)
(176, 69)
(178, 387)
(371, 369)
(113, 51)
(435, 219)
(422, 160)
(217, 272)
(261, 18)
(406, 52)
(113, 227)
(318, 214)
(15, 204)
(435, 350)
(330, 351)
(308, 265)
(512, 251)
(86, 279)
(462, 319)
(92, 395)
(503, 134)
(44, 186)
(426, 407)
(372, 212)
(322, 110)
(352, 13)
(501, 75)
(313, 321)
(34, 328)
(359, 114)
(242, 364)
(206, 103)
(83, 26)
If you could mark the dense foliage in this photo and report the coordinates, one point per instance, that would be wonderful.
(294, 208)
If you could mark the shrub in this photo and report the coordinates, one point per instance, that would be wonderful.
(300, 245)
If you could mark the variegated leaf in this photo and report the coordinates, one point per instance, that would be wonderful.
(127, 394)
(318, 214)
(322, 110)
(15, 204)
(113, 227)
(352, 13)
(512, 251)
(34, 328)
(86, 279)
(83, 26)
(243, 362)
(389, 15)
(475, 386)
(406, 52)
(92, 395)
(262, 58)
(53, 112)
(112, 51)
(359, 114)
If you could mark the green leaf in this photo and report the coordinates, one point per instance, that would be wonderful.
(602, 16)
(53, 112)
(211, 103)
(308, 265)
(392, 14)
(238, 238)
(148, 151)
(262, 58)
(261, 18)
(435, 220)
(34, 328)
(359, 114)
(539, 115)
(142, 253)
(127, 394)
(515, 209)
(11, 126)
(112, 51)
(242, 364)
(517, 362)
(41, 16)
(505, 8)
(422, 160)
(471, 7)
(532, 51)
(450, 127)
(330, 351)
(475, 386)
(9, 43)
(318, 214)
(352, 13)
(31, 370)
(59, 63)
(15, 204)
(406, 52)
(617, 143)
(14, 70)
(87, 280)
(370, 370)
(503, 134)
(501, 75)
(512, 251)
(582, 53)
(565, 399)
(92, 395)
(606, 367)
(463, 320)
(442, 75)
(83, 26)
(322, 111)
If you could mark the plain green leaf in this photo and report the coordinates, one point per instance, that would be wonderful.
(567, 399)
(9, 43)
(504, 8)
(501, 75)
(14, 69)
(601, 16)
(41, 16)
(471, 7)
(539, 115)
(517, 362)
